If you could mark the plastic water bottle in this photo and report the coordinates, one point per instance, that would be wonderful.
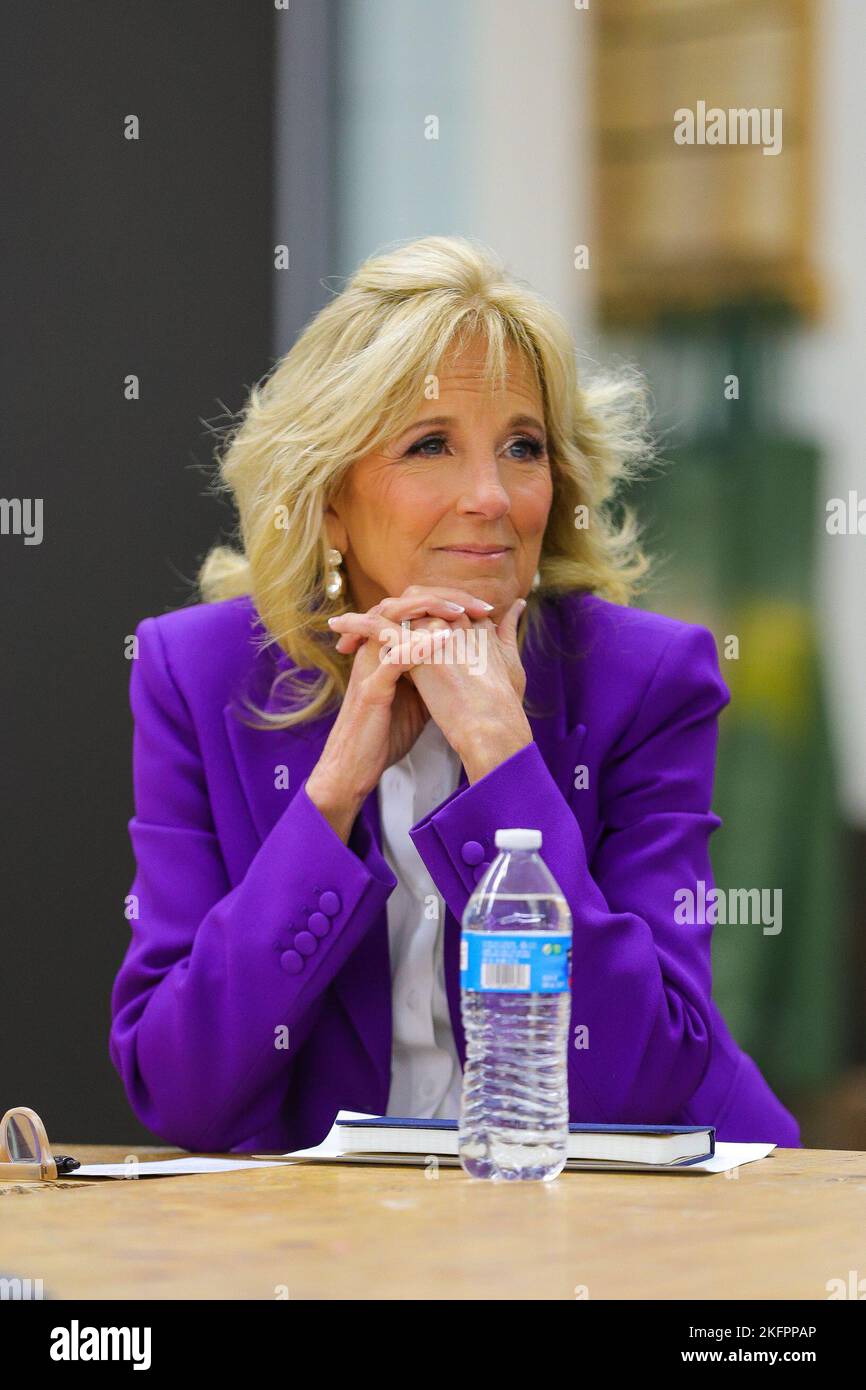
(515, 978)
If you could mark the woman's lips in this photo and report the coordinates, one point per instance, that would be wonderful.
(474, 554)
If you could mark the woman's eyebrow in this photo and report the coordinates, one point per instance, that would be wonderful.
(430, 420)
(515, 422)
(518, 421)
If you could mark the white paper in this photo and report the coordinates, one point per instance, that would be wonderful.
(169, 1167)
(729, 1156)
(331, 1147)
(176, 1167)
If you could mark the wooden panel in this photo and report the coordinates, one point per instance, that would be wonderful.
(699, 225)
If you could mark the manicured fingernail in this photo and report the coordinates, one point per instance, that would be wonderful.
(331, 622)
(488, 606)
(522, 602)
(458, 607)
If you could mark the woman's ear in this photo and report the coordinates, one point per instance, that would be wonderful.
(335, 530)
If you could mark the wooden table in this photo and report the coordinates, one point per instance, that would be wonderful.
(780, 1228)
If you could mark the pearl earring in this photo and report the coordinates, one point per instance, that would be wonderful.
(536, 582)
(334, 579)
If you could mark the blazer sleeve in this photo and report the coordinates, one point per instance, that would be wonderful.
(641, 982)
(210, 981)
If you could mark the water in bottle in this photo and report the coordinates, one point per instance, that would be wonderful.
(515, 977)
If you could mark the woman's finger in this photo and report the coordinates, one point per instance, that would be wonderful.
(455, 605)
(397, 659)
(371, 624)
(356, 622)
(478, 607)
(361, 625)
(442, 603)
(507, 629)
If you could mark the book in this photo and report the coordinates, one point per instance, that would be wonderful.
(396, 1139)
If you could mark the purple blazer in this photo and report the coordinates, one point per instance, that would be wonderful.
(254, 1001)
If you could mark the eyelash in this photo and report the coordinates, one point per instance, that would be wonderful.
(536, 448)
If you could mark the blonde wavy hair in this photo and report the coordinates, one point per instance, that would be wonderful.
(351, 383)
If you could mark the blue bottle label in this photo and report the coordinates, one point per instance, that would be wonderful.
(506, 962)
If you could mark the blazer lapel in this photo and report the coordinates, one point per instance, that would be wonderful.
(552, 701)
(271, 765)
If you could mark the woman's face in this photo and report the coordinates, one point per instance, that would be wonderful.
(460, 499)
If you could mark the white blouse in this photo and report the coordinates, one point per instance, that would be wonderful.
(426, 1076)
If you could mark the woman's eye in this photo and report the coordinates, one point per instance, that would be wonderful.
(422, 445)
(534, 448)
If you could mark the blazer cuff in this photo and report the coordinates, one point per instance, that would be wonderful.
(361, 846)
(457, 839)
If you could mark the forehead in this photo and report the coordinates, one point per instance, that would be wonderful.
(465, 370)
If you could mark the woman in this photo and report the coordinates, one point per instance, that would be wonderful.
(425, 637)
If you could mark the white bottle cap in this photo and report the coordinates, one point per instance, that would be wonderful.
(518, 839)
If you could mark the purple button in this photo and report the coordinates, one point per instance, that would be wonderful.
(481, 871)
(472, 852)
(329, 903)
(319, 924)
(291, 962)
(306, 943)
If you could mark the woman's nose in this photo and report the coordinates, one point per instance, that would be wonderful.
(483, 490)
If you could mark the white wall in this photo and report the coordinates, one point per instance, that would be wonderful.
(504, 78)
(529, 153)
(400, 61)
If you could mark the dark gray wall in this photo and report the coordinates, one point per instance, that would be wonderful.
(306, 105)
(153, 257)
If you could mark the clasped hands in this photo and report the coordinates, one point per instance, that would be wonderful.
(477, 703)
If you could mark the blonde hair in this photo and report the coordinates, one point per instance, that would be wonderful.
(352, 382)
